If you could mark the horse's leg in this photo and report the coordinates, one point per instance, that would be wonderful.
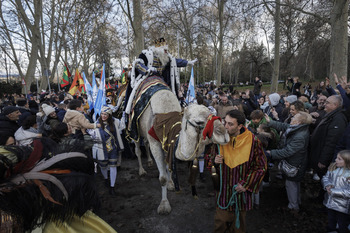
(170, 184)
(138, 154)
(156, 149)
(148, 152)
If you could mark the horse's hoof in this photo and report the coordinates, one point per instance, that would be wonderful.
(142, 172)
(170, 186)
(164, 208)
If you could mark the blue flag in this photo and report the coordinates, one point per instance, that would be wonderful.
(94, 90)
(191, 95)
(101, 93)
(88, 90)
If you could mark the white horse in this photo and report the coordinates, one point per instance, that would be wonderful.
(190, 144)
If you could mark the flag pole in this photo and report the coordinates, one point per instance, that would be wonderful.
(58, 81)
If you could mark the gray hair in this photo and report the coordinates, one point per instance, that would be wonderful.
(338, 100)
(305, 118)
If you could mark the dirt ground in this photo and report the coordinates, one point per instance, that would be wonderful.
(134, 208)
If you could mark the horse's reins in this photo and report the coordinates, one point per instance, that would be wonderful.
(198, 131)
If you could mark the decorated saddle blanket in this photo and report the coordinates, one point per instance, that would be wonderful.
(142, 98)
(166, 129)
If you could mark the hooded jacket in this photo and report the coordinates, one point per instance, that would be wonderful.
(77, 121)
(25, 137)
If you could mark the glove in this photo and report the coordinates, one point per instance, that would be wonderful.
(152, 70)
(191, 63)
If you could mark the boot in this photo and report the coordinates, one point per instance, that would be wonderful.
(112, 191)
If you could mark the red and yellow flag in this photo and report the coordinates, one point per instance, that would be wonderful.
(81, 84)
(75, 87)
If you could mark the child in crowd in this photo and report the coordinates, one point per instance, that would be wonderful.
(266, 137)
(337, 199)
(76, 119)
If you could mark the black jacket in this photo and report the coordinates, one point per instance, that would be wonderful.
(294, 88)
(7, 125)
(325, 138)
(24, 114)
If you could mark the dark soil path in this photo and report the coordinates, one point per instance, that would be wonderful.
(134, 208)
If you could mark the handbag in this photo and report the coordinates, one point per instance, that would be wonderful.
(288, 169)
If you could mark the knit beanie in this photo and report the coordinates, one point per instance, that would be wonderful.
(274, 99)
(291, 99)
(107, 110)
(9, 109)
(47, 109)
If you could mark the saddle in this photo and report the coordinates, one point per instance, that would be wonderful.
(140, 102)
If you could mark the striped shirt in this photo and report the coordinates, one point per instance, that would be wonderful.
(248, 174)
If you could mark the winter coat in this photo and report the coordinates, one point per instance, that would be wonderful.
(24, 114)
(257, 87)
(77, 121)
(325, 138)
(339, 199)
(25, 137)
(295, 86)
(60, 114)
(51, 122)
(222, 109)
(343, 143)
(7, 125)
(97, 149)
(293, 146)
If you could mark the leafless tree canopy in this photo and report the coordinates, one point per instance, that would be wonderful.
(234, 41)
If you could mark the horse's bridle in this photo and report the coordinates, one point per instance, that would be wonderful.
(198, 130)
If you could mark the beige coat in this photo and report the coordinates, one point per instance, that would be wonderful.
(77, 121)
(222, 109)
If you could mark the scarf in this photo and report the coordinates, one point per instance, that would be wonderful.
(110, 141)
(237, 151)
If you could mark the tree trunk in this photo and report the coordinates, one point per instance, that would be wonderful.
(339, 39)
(138, 32)
(276, 63)
(221, 5)
(29, 77)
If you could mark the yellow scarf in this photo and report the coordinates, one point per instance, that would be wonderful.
(237, 151)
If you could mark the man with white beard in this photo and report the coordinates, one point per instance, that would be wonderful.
(158, 61)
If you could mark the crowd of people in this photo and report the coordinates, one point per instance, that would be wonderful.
(309, 132)
(300, 131)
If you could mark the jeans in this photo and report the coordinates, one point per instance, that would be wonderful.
(342, 219)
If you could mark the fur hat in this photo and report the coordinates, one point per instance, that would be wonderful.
(9, 109)
(274, 99)
(48, 109)
(291, 99)
(106, 109)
